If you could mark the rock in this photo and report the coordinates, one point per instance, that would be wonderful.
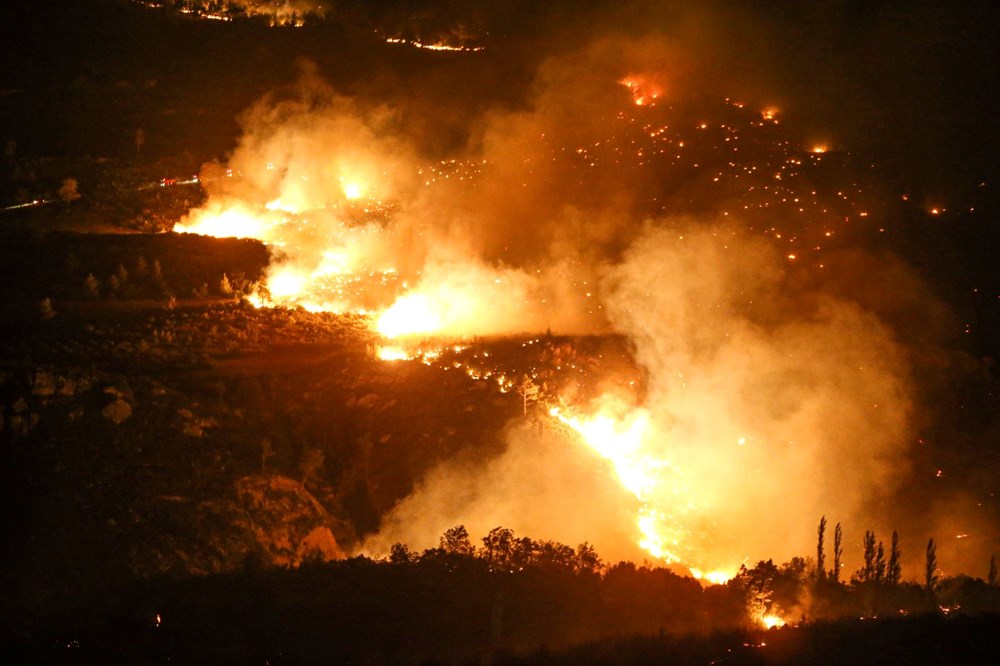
(288, 523)
(117, 412)
(43, 384)
(67, 386)
(270, 521)
(193, 430)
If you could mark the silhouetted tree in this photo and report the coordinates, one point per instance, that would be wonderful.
(820, 555)
(866, 573)
(930, 566)
(555, 554)
(587, 560)
(400, 553)
(880, 563)
(498, 547)
(456, 541)
(895, 568)
(838, 551)
(523, 553)
(992, 578)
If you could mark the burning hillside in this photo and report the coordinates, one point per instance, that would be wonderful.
(708, 231)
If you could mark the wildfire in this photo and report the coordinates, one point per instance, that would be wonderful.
(352, 189)
(645, 92)
(621, 441)
(287, 283)
(412, 314)
(233, 221)
(771, 621)
(393, 354)
(714, 577)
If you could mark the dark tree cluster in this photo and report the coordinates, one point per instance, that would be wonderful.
(511, 599)
(800, 590)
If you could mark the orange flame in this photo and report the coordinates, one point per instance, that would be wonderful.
(645, 91)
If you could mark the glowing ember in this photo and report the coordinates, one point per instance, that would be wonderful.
(819, 149)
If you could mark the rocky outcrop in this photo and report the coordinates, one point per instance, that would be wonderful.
(265, 520)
